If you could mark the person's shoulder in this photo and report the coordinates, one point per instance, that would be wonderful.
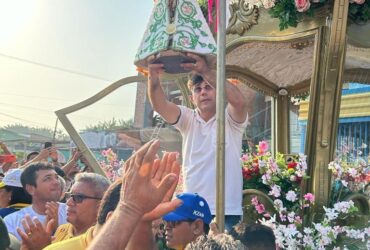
(63, 232)
(13, 216)
(6, 211)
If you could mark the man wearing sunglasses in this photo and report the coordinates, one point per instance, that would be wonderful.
(82, 209)
(131, 204)
(198, 129)
(82, 205)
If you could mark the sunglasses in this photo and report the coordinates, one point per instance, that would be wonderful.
(197, 88)
(173, 224)
(78, 198)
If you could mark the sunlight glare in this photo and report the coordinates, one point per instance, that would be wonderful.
(15, 18)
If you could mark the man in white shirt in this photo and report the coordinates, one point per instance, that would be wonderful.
(198, 130)
(41, 182)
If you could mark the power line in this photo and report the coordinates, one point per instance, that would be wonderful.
(20, 119)
(26, 107)
(56, 68)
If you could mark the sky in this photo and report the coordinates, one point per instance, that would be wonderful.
(56, 53)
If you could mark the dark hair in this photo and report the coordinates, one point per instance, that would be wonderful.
(205, 228)
(19, 195)
(29, 174)
(110, 201)
(254, 236)
(28, 157)
(194, 79)
(60, 172)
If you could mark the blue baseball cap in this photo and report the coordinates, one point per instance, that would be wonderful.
(193, 207)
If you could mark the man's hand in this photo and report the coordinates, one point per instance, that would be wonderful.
(43, 155)
(146, 183)
(161, 168)
(35, 236)
(143, 187)
(200, 66)
(154, 71)
(51, 212)
(53, 153)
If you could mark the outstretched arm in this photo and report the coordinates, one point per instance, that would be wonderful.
(168, 110)
(5, 148)
(143, 237)
(236, 101)
(140, 194)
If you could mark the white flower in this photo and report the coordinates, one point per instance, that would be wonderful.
(266, 178)
(275, 190)
(330, 213)
(291, 196)
(352, 172)
(278, 204)
(293, 178)
(291, 216)
(344, 206)
(344, 183)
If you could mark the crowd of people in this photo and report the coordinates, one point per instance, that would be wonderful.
(45, 205)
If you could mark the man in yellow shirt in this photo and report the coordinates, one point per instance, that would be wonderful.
(82, 205)
(132, 203)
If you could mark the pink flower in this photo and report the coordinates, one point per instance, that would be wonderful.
(357, 1)
(302, 5)
(309, 197)
(260, 208)
(263, 146)
(254, 201)
(245, 157)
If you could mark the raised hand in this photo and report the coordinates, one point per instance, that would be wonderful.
(35, 236)
(161, 168)
(144, 187)
(200, 66)
(51, 212)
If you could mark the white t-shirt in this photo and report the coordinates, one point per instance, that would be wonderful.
(12, 221)
(199, 158)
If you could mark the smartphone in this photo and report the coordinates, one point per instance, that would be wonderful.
(48, 144)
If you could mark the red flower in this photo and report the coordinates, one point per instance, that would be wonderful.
(292, 165)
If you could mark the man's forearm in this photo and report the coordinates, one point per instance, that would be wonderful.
(156, 94)
(142, 238)
(117, 231)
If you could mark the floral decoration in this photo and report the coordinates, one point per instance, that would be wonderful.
(351, 172)
(275, 176)
(291, 12)
(111, 165)
(280, 178)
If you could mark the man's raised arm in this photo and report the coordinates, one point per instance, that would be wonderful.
(168, 110)
(236, 100)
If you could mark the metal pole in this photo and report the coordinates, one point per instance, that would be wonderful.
(220, 116)
(55, 131)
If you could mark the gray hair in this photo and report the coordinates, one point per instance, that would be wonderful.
(98, 183)
(216, 242)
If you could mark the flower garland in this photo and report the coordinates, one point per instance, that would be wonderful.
(291, 12)
(280, 179)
